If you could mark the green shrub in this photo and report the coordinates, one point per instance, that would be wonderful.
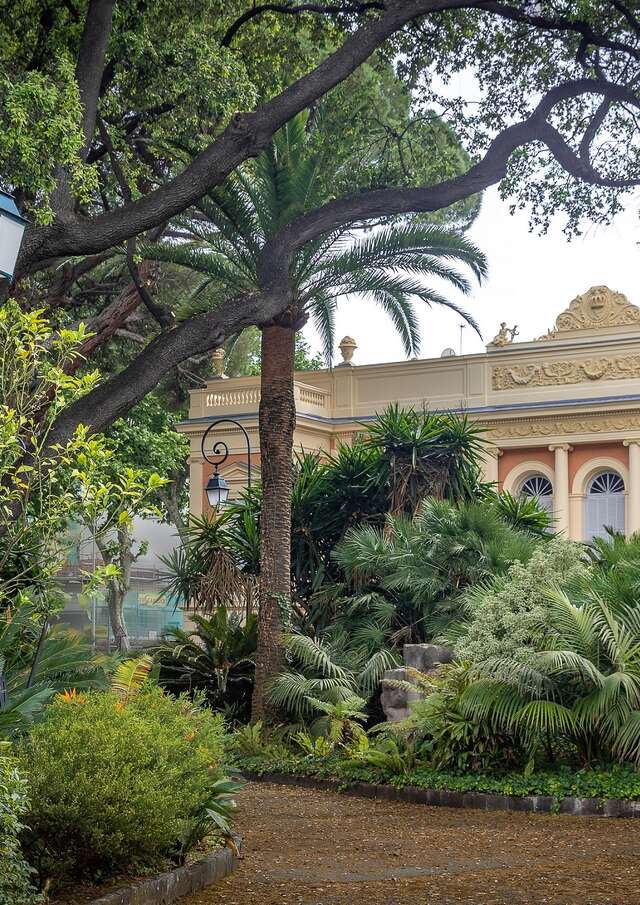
(16, 887)
(118, 786)
(451, 739)
(508, 616)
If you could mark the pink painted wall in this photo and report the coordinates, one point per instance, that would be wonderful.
(512, 457)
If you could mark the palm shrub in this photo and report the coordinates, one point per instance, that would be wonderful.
(216, 660)
(411, 573)
(451, 737)
(326, 671)
(119, 784)
(36, 663)
(581, 683)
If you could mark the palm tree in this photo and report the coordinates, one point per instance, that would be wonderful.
(222, 239)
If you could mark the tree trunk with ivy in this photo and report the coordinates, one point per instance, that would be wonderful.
(277, 419)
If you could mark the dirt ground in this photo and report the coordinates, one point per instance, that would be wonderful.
(304, 847)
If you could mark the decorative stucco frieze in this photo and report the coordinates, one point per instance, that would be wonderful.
(558, 372)
(553, 427)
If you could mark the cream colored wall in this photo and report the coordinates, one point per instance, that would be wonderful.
(554, 395)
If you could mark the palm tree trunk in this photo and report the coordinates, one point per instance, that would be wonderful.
(277, 421)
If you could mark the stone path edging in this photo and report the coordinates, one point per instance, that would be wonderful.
(165, 888)
(483, 801)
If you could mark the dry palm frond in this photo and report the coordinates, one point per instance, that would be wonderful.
(222, 584)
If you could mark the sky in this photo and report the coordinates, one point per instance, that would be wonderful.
(532, 278)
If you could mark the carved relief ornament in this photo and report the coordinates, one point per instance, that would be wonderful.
(556, 427)
(554, 373)
(599, 307)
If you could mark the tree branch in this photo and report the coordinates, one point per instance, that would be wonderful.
(245, 137)
(578, 26)
(295, 10)
(90, 65)
(206, 331)
(249, 133)
(279, 251)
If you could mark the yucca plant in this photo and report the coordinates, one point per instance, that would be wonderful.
(207, 570)
(426, 454)
(223, 239)
(523, 512)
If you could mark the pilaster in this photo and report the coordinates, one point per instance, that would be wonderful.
(561, 487)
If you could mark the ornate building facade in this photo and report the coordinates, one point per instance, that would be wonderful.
(562, 412)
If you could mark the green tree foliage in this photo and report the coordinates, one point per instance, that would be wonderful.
(16, 881)
(42, 486)
(147, 440)
(119, 786)
(210, 569)
(244, 355)
(514, 65)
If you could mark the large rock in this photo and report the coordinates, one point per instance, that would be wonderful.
(396, 700)
(425, 657)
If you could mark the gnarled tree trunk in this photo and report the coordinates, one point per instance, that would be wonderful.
(277, 421)
(123, 557)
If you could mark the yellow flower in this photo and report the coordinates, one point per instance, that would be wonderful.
(189, 736)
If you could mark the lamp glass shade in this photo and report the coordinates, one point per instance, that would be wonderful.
(217, 490)
(12, 227)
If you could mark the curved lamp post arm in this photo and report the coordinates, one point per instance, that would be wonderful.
(220, 450)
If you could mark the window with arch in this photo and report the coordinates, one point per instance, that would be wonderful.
(539, 488)
(604, 504)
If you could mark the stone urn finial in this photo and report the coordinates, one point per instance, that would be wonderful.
(218, 356)
(347, 347)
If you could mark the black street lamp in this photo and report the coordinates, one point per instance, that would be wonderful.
(217, 488)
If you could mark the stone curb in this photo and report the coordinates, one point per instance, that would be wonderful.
(483, 801)
(165, 888)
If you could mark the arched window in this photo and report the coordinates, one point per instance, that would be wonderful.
(605, 504)
(538, 488)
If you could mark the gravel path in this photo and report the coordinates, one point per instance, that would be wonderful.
(303, 847)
